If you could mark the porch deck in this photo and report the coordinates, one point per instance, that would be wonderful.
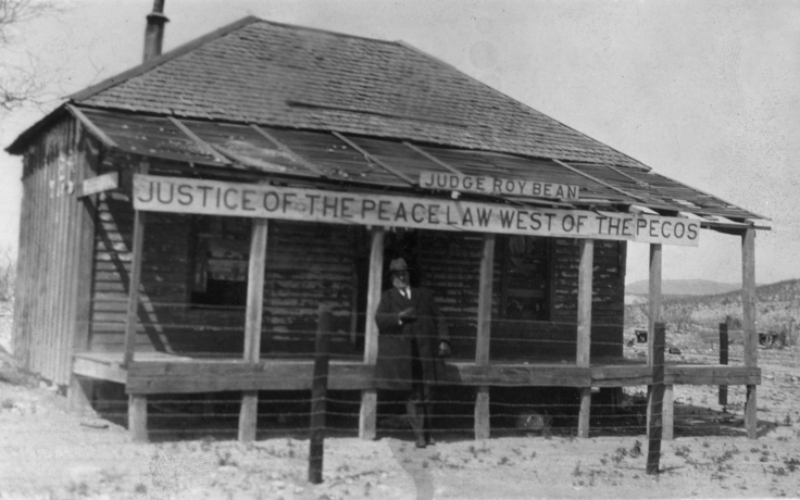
(161, 373)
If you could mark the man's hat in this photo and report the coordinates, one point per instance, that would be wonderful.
(398, 266)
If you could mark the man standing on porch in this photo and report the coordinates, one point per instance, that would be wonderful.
(412, 344)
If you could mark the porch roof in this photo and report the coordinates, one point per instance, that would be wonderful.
(370, 163)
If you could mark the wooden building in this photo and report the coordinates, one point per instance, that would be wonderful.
(183, 221)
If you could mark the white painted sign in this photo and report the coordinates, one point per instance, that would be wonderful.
(100, 183)
(170, 194)
(496, 185)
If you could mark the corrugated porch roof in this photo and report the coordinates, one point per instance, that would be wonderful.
(372, 162)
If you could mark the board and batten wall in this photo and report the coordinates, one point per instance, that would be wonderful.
(54, 256)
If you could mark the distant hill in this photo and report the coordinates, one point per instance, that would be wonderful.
(683, 287)
(777, 305)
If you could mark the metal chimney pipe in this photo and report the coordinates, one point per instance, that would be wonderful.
(154, 31)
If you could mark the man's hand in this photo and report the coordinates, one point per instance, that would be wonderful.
(408, 315)
(444, 350)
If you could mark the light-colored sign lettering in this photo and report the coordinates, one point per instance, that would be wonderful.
(496, 185)
(168, 194)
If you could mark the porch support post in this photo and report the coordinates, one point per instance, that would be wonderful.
(137, 403)
(369, 398)
(750, 340)
(482, 420)
(654, 316)
(584, 343)
(248, 415)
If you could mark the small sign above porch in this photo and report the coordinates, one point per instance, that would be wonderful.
(180, 195)
(496, 185)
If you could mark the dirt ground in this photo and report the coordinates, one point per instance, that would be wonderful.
(48, 453)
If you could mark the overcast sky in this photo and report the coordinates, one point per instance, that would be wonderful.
(704, 92)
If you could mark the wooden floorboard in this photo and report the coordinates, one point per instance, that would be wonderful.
(155, 373)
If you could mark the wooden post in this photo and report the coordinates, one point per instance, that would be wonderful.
(482, 343)
(584, 343)
(135, 278)
(749, 326)
(319, 394)
(248, 416)
(137, 417)
(369, 398)
(723, 360)
(656, 400)
(654, 305)
(654, 298)
(668, 410)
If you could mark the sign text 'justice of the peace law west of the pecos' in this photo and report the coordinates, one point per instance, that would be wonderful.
(178, 195)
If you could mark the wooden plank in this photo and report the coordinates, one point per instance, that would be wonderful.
(750, 339)
(248, 415)
(483, 340)
(514, 375)
(135, 278)
(369, 399)
(98, 184)
(99, 370)
(91, 127)
(211, 197)
(654, 297)
(584, 329)
(491, 185)
(372, 158)
(216, 376)
(319, 394)
(655, 403)
(137, 418)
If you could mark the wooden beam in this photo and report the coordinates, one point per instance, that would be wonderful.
(595, 179)
(400, 175)
(432, 158)
(483, 341)
(723, 360)
(654, 297)
(91, 127)
(248, 416)
(287, 150)
(203, 145)
(668, 421)
(750, 339)
(319, 394)
(135, 278)
(584, 330)
(369, 398)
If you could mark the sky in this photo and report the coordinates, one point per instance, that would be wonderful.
(704, 92)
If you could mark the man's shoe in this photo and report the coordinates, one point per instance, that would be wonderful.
(421, 443)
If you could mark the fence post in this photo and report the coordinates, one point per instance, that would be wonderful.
(656, 400)
(723, 360)
(319, 395)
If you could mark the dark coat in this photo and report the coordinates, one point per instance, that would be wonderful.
(393, 369)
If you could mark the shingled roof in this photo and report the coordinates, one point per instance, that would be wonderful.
(256, 71)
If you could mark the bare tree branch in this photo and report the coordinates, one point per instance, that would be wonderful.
(21, 83)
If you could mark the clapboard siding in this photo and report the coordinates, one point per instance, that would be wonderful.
(449, 265)
(49, 253)
(307, 264)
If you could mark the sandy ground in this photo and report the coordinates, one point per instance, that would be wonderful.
(48, 453)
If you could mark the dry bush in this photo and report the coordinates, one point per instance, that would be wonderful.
(8, 274)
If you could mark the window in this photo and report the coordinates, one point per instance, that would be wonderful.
(221, 248)
(525, 278)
